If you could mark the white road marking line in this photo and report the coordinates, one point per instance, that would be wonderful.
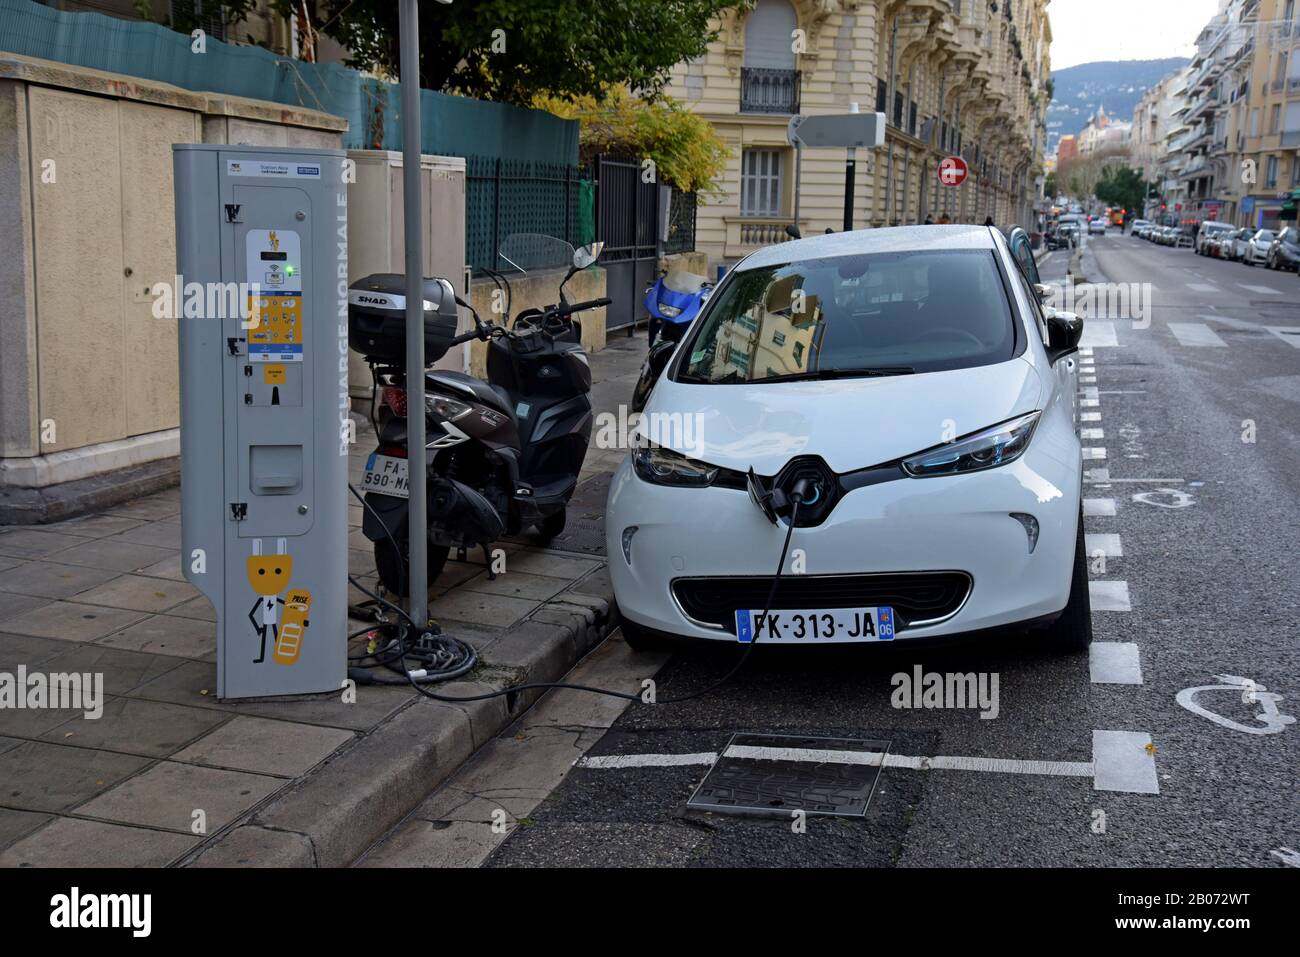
(1124, 761)
(1093, 453)
(1099, 333)
(1089, 416)
(1077, 769)
(1107, 543)
(1288, 334)
(1114, 663)
(1090, 391)
(1098, 507)
(1097, 476)
(1093, 435)
(1262, 290)
(646, 760)
(1287, 856)
(1088, 378)
(1202, 287)
(1089, 403)
(1085, 350)
(1195, 334)
(1109, 596)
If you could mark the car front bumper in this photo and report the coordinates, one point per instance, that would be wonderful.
(950, 524)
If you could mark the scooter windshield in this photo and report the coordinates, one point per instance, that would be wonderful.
(678, 280)
(523, 252)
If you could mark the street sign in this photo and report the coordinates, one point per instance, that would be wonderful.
(846, 130)
(953, 171)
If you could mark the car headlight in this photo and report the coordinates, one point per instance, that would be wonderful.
(669, 311)
(662, 466)
(988, 449)
(450, 409)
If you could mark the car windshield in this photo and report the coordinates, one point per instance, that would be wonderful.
(1264, 236)
(849, 316)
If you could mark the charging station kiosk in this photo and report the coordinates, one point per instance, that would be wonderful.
(261, 299)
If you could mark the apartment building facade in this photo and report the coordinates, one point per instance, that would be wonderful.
(953, 77)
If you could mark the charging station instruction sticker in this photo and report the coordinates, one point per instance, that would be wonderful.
(277, 170)
(272, 259)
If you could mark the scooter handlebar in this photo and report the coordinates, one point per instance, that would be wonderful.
(581, 306)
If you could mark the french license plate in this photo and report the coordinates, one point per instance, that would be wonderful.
(785, 626)
(387, 475)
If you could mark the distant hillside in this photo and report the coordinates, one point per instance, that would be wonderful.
(1117, 85)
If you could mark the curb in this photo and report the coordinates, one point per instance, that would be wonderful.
(343, 807)
(54, 503)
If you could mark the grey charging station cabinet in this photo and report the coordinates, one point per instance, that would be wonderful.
(264, 409)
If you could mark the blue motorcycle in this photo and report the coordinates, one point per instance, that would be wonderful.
(673, 302)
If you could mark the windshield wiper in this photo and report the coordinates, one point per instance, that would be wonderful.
(846, 373)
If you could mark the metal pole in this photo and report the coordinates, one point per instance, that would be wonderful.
(418, 525)
(798, 176)
(850, 172)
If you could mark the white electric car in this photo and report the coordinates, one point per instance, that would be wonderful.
(910, 388)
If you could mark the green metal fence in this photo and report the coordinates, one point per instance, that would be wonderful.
(451, 125)
(504, 196)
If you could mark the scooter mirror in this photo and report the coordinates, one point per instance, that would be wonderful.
(588, 254)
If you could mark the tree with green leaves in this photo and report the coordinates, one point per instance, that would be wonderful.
(514, 50)
(1122, 187)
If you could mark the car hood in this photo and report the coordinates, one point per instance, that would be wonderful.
(850, 423)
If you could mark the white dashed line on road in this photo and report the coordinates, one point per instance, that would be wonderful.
(1114, 663)
(1124, 761)
(1195, 334)
(1098, 507)
(647, 760)
(1092, 435)
(1093, 454)
(1099, 333)
(1288, 334)
(1089, 416)
(1202, 287)
(1262, 290)
(1109, 596)
(1106, 543)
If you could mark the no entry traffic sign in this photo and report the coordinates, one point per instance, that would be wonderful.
(952, 171)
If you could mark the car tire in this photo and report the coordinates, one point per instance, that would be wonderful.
(1072, 631)
(642, 639)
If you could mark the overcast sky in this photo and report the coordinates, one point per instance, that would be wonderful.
(1085, 31)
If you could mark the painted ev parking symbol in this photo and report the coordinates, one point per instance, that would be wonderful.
(1165, 498)
(1251, 692)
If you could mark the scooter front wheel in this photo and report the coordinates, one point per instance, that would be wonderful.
(553, 524)
(392, 566)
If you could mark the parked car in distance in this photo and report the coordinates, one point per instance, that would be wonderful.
(1284, 253)
(1097, 226)
(1137, 227)
(1234, 245)
(1210, 229)
(1257, 247)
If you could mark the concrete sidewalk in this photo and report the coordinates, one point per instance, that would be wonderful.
(170, 775)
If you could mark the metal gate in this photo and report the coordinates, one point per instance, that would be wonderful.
(625, 221)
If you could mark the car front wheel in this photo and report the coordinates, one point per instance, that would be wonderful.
(1072, 631)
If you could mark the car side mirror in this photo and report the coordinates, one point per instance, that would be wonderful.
(1044, 291)
(656, 361)
(1064, 330)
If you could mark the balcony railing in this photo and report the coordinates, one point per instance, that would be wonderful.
(764, 90)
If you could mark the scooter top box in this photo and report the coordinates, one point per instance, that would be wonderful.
(377, 317)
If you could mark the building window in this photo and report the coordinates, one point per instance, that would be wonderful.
(882, 96)
(760, 183)
(779, 337)
(1275, 118)
(798, 354)
(738, 358)
(769, 82)
(1270, 174)
(1295, 171)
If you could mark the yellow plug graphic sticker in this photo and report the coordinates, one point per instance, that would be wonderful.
(294, 627)
(269, 576)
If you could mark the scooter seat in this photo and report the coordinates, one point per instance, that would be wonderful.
(474, 389)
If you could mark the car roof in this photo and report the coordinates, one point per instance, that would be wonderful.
(891, 239)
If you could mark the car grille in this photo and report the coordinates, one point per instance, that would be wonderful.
(915, 597)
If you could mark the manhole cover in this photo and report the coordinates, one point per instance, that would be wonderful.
(774, 774)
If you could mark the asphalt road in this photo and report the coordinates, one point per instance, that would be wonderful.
(1194, 534)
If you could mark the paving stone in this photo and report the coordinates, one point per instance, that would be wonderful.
(137, 726)
(597, 585)
(36, 776)
(162, 534)
(51, 580)
(283, 748)
(138, 593)
(13, 605)
(35, 542)
(95, 526)
(419, 843)
(28, 650)
(113, 554)
(168, 635)
(69, 842)
(72, 621)
(517, 584)
(200, 608)
(16, 824)
(167, 568)
(536, 562)
(168, 793)
(498, 611)
(33, 722)
(253, 846)
(123, 671)
(7, 563)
